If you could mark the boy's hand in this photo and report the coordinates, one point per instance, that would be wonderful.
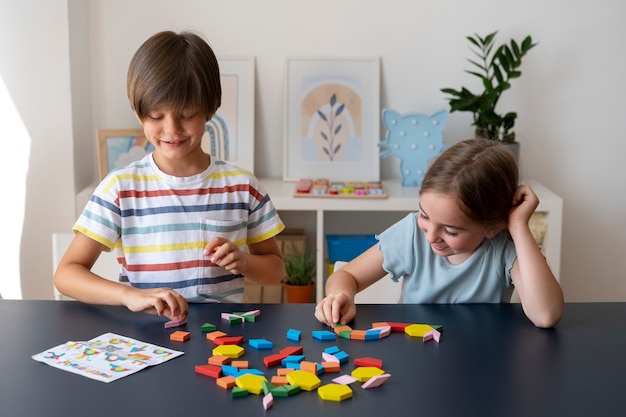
(335, 309)
(159, 301)
(226, 254)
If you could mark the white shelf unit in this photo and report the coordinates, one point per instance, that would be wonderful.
(319, 216)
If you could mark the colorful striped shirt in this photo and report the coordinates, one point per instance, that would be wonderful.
(158, 225)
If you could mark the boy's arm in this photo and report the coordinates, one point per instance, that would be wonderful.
(74, 278)
(540, 293)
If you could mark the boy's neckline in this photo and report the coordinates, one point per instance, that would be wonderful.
(190, 171)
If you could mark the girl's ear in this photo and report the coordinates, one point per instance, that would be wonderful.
(494, 230)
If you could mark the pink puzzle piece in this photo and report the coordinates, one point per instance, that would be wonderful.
(375, 381)
(345, 379)
(329, 358)
(268, 400)
(432, 334)
(175, 323)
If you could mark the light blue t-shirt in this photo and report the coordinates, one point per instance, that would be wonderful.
(428, 278)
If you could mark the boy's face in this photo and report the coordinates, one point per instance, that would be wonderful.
(176, 137)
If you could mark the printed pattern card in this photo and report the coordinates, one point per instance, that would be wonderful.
(107, 357)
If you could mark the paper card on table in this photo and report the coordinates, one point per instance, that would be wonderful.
(107, 357)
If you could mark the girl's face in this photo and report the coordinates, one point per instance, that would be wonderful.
(448, 230)
(176, 138)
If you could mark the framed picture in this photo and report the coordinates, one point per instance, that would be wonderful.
(229, 135)
(332, 118)
(120, 147)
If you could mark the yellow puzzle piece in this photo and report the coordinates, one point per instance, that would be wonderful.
(363, 373)
(251, 382)
(232, 351)
(334, 392)
(305, 380)
(417, 330)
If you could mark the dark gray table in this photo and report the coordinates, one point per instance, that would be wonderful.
(491, 362)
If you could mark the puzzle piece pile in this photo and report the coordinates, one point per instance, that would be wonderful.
(294, 372)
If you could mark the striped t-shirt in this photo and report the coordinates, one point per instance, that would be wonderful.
(159, 224)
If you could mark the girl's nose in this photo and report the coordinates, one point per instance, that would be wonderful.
(431, 235)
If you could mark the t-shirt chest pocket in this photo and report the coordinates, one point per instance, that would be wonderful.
(233, 230)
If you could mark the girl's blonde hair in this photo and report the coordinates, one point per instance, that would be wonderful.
(482, 175)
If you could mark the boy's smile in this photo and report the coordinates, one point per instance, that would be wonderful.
(177, 139)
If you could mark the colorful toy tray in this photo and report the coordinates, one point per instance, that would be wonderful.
(322, 187)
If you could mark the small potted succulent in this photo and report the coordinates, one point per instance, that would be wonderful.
(495, 65)
(299, 281)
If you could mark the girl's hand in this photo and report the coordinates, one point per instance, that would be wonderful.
(226, 254)
(159, 301)
(525, 202)
(335, 309)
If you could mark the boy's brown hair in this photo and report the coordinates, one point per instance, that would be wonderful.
(178, 71)
(482, 175)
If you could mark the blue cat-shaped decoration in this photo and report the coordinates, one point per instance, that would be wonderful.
(415, 139)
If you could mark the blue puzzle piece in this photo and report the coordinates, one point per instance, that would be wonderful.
(260, 344)
(323, 335)
(294, 335)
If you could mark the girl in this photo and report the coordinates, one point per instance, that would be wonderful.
(469, 242)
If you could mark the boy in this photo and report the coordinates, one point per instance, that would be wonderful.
(184, 227)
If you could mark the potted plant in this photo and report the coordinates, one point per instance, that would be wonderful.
(299, 281)
(495, 66)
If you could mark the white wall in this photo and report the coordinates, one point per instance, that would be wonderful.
(569, 99)
(34, 65)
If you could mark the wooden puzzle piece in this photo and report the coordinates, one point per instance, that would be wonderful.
(294, 335)
(375, 381)
(260, 344)
(364, 373)
(334, 392)
(226, 382)
(180, 336)
(305, 380)
(232, 351)
(345, 379)
(175, 323)
(219, 360)
(323, 335)
(251, 382)
(377, 363)
(208, 327)
(209, 370)
(228, 340)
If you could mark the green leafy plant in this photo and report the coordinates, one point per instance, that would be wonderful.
(299, 267)
(496, 67)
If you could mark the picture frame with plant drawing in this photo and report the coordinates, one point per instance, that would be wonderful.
(332, 118)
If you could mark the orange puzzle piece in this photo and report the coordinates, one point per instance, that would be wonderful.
(180, 336)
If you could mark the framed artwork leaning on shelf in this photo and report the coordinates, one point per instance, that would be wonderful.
(119, 147)
(332, 118)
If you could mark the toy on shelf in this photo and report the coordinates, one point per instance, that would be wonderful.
(322, 187)
(414, 138)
